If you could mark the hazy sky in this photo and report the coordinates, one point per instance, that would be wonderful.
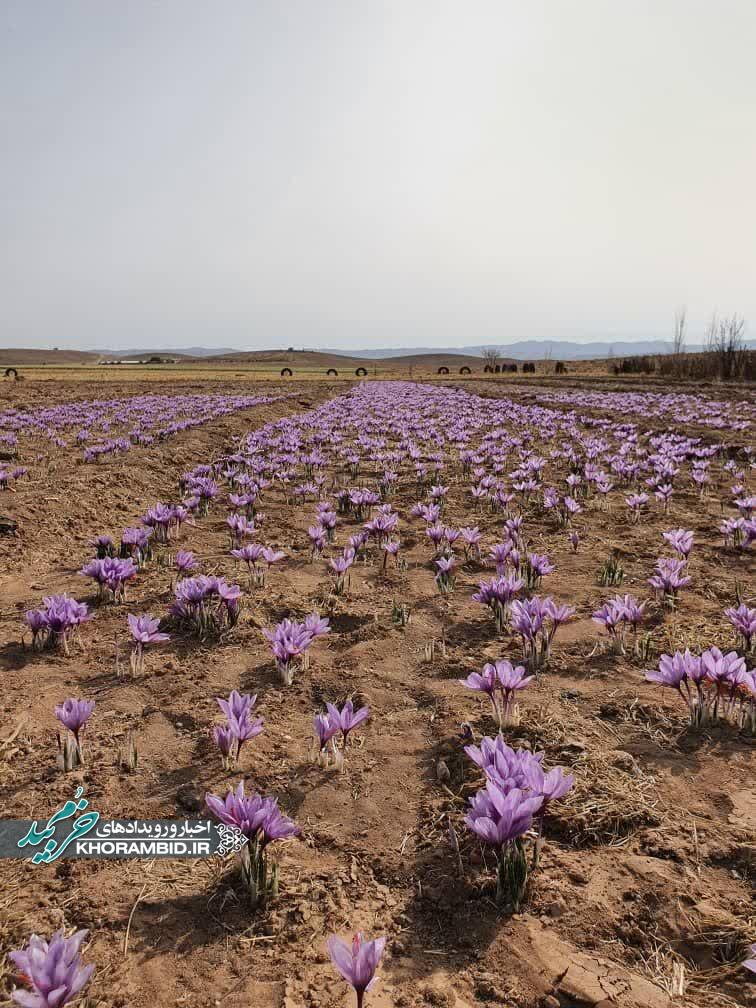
(373, 172)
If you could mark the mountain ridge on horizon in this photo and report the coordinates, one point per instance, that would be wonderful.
(520, 350)
(534, 349)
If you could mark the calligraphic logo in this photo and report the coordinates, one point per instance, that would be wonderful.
(75, 831)
(53, 849)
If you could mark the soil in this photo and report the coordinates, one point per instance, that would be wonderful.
(648, 867)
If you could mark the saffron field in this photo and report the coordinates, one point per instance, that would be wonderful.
(471, 666)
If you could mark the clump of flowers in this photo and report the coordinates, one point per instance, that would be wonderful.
(537, 620)
(240, 726)
(56, 622)
(290, 640)
(500, 682)
(327, 726)
(738, 532)
(357, 962)
(471, 538)
(668, 578)
(145, 630)
(664, 493)
(339, 567)
(318, 538)
(238, 528)
(110, 574)
(680, 540)
(565, 507)
(446, 577)
(391, 548)
(261, 822)
(185, 562)
(251, 554)
(103, 544)
(137, 544)
(636, 503)
(713, 685)
(272, 556)
(206, 604)
(73, 714)
(52, 970)
(159, 519)
(517, 792)
(535, 568)
(616, 616)
(744, 621)
(498, 594)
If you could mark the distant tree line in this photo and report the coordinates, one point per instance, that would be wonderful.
(725, 357)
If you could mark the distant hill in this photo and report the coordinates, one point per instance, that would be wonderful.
(180, 352)
(520, 350)
(538, 349)
(303, 358)
(31, 357)
(422, 357)
(533, 350)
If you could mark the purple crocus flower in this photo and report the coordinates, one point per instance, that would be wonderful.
(74, 714)
(36, 620)
(225, 739)
(53, 970)
(674, 669)
(276, 826)
(537, 566)
(251, 814)
(669, 577)
(347, 719)
(185, 561)
(238, 705)
(250, 553)
(511, 677)
(145, 630)
(436, 534)
(262, 822)
(744, 621)
(499, 818)
(325, 728)
(357, 963)
(551, 785)
(722, 668)
(244, 729)
(317, 536)
(391, 547)
(471, 538)
(316, 624)
(272, 556)
(340, 565)
(680, 540)
(63, 614)
(111, 574)
(446, 564)
(635, 502)
(446, 578)
(288, 640)
(485, 681)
